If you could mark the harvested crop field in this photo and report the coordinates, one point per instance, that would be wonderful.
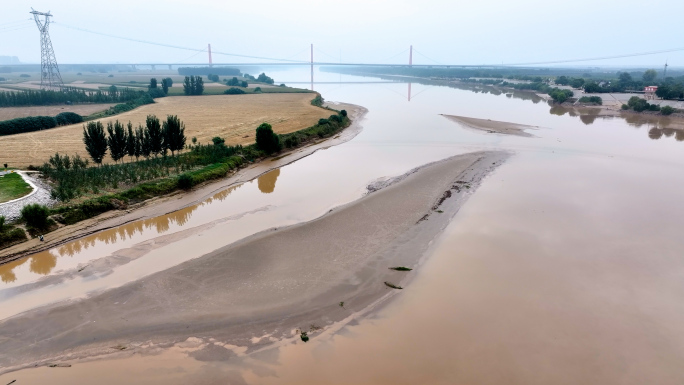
(233, 117)
(7, 113)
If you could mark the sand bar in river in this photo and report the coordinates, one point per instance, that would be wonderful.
(270, 283)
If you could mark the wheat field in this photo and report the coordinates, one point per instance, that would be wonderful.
(7, 113)
(233, 117)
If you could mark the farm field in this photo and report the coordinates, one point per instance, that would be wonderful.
(7, 113)
(233, 117)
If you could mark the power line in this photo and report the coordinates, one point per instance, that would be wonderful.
(174, 46)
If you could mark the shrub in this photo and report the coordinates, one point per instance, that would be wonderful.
(560, 96)
(234, 91)
(213, 78)
(35, 215)
(66, 118)
(257, 90)
(625, 107)
(591, 99)
(323, 121)
(185, 181)
(218, 140)
(24, 76)
(343, 113)
(12, 236)
(266, 139)
(667, 110)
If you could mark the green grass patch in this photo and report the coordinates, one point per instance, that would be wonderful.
(393, 286)
(13, 186)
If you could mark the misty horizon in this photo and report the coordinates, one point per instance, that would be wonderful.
(486, 33)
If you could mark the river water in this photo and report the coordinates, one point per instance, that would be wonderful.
(565, 266)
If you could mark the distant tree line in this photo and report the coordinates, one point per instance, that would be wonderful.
(235, 82)
(193, 85)
(204, 71)
(37, 123)
(68, 96)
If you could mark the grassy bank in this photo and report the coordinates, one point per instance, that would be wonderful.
(13, 186)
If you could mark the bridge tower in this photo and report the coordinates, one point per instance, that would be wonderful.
(50, 78)
(312, 88)
(410, 56)
(209, 50)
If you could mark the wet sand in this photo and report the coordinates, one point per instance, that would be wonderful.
(178, 200)
(268, 284)
(492, 126)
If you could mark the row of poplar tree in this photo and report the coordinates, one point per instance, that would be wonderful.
(153, 139)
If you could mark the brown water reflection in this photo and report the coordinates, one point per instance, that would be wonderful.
(267, 182)
(45, 262)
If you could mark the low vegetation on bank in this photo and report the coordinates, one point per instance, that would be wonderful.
(89, 191)
(638, 104)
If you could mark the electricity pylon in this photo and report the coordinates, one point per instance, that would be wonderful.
(50, 78)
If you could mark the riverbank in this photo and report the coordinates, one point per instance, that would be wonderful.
(270, 283)
(180, 199)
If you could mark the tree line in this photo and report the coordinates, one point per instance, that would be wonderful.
(68, 96)
(152, 139)
(37, 123)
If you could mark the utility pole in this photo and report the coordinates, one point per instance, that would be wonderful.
(209, 50)
(50, 78)
(665, 71)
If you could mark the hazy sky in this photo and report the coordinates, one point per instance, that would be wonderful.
(461, 32)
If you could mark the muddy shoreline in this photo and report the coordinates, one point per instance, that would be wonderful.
(271, 283)
(180, 199)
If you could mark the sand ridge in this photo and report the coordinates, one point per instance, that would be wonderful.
(492, 126)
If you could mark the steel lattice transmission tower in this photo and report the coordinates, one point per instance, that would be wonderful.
(50, 78)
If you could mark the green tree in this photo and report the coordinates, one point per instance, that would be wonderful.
(153, 83)
(625, 78)
(264, 79)
(156, 137)
(95, 141)
(112, 91)
(139, 137)
(266, 139)
(187, 86)
(165, 85)
(116, 140)
(130, 141)
(174, 134)
(199, 86)
(145, 143)
(649, 76)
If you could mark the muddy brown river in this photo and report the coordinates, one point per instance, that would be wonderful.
(564, 267)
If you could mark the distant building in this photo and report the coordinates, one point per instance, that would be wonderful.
(650, 92)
